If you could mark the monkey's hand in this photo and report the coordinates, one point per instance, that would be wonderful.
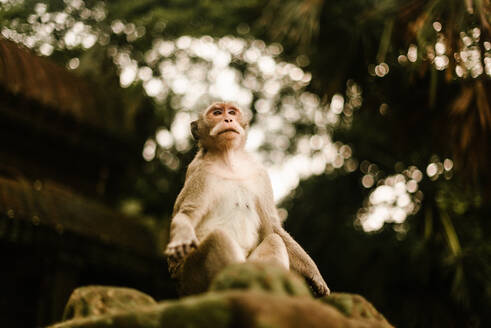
(318, 286)
(182, 238)
(178, 249)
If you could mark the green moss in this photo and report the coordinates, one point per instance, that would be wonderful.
(247, 294)
(97, 300)
(209, 310)
(260, 277)
(342, 302)
(353, 306)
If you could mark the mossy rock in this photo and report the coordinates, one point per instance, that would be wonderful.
(231, 309)
(97, 300)
(248, 295)
(204, 311)
(268, 310)
(354, 306)
(260, 277)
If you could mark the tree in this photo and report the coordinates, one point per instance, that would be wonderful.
(425, 98)
(391, 126)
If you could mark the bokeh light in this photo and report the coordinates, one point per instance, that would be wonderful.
(188, 73)
(392, 201)
(472, 55)
(192, 72)
(398, 196)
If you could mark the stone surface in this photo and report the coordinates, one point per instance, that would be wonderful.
(266, 310)
(97, 300)
(354, 306)
(244, 295)
(260, 277)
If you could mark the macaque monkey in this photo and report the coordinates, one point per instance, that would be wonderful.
(225, 212)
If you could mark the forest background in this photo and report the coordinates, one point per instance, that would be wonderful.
(373, 118)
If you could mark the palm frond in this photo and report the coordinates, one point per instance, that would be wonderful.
(295, 20)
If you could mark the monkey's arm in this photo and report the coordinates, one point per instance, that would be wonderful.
(182, 237)
(191, 205)
(301, 262)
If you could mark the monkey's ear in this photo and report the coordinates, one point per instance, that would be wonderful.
(194, 130)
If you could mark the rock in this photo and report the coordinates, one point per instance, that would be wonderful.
(248, 309)
(97, 300)
(266, 310)
(207, 310)
(354, 306)
(244, 295)
(260, 277)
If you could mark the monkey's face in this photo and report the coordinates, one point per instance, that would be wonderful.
(222, 126)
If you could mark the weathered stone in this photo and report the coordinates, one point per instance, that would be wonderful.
(267, 310)
(207, 310)
(232, 309)
(97, 300)
(260, 277)
(354, 306)
(244, 295)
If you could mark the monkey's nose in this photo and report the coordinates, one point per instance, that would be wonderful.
(228, 120)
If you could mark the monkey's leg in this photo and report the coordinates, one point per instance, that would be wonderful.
(272, 250)
(215, 252)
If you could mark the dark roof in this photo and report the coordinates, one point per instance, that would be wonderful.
(39, 79)
(59, 115)
(51, 206)
(52, 128)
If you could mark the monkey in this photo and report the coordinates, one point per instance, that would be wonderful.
(225, 212)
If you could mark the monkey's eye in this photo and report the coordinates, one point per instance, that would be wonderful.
(217, 112)
(232, 112)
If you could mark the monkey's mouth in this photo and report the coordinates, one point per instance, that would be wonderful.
(228, 130)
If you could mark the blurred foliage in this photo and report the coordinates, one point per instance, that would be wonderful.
(436, 263)
(408, 271)
(412, 79)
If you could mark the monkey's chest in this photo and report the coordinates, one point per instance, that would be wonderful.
(233, 211)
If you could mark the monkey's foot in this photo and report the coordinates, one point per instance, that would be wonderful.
(319, 286)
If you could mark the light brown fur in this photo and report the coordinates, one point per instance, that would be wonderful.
(225, 212)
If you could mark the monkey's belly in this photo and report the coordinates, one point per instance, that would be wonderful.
(234, 212)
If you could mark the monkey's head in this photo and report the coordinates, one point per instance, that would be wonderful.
(221, 126)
